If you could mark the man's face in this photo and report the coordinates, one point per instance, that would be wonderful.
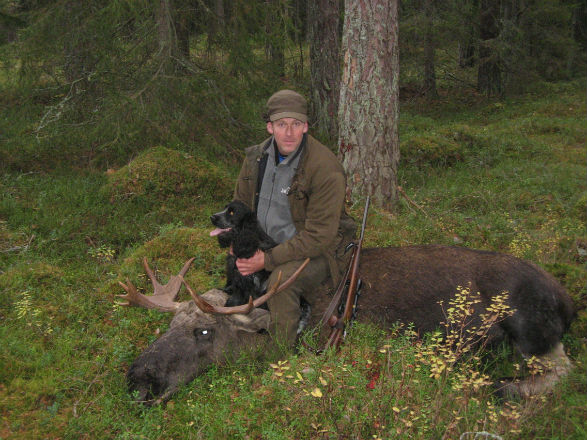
(288, 134)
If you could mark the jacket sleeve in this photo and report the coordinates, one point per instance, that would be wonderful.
(319, 235)
(245, 187)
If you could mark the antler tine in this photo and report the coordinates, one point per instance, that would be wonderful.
(134, 298)
(163, 297)
(245, 308)
(171, 289)
(277, 287)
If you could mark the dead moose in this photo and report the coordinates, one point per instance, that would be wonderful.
(400, 284)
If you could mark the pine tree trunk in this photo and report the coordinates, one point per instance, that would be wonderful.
(172, 36)
(429, 57)
(80, 59)
(489, 75)
(324, 66)
(369, 100)
(216, 27)
(274, 46)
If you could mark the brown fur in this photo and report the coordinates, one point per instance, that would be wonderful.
(403, 284)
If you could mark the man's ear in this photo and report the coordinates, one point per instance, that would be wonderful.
(270, 127)
(305, 127)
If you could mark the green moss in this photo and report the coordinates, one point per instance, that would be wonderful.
(579, 209)
(166, 255)
(431, 150)
(30, 275)
(160, 173)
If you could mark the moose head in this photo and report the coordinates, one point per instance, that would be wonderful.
(203, 332)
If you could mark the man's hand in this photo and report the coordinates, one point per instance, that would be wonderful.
(247, 266)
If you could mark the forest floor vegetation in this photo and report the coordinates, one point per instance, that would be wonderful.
(503, 175)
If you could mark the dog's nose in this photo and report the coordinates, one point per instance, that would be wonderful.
(213, 218)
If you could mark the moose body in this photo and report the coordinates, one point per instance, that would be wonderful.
(400, 284)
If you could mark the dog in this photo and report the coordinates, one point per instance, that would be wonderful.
(237, 228)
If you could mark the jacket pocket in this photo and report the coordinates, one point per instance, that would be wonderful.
(298, 203)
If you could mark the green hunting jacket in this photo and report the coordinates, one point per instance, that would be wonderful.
(316, 199)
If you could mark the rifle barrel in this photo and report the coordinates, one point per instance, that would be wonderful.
(364, 224)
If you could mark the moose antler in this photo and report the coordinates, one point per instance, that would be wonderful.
(163, 297)
(246, 308)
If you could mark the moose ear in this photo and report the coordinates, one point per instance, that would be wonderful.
(256, 320)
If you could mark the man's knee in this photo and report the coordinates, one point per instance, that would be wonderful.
(285, 306)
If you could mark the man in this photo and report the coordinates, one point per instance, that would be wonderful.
(296, 185)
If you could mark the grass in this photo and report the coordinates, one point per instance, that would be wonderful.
(515, 183)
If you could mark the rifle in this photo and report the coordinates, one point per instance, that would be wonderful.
(351, 284)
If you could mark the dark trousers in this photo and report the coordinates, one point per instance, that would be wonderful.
(284, 307)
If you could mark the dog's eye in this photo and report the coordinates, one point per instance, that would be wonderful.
(231, 212)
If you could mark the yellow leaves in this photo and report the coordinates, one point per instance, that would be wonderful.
(316, 392)
(460, 334)
(385, 348)
(470, 381)
(281, 365)
(318, 428)
(280, 368)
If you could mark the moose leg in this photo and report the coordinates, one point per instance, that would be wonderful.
(284, 307)
(553, 366)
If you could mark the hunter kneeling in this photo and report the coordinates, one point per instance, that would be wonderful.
(296, 186)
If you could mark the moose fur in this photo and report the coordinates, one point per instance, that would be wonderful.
(237, 228)
(400, 284)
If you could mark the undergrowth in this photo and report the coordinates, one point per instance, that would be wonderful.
(506, 176)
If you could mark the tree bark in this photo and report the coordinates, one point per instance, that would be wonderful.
(489, 74)
(172, 35)
(429, 56)
(369, 100)
(79, 53)
(217, 25)
(274, 46)
(324, 66)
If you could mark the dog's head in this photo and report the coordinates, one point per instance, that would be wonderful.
(233, 216)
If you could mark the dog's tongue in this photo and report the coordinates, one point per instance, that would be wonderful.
(218, 231)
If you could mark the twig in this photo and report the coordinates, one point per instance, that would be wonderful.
(54, 112)
(140, 92)
(411, 202)
(76, 403)
(480, 435)
(17, 248)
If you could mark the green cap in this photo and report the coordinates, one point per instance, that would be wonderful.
(287, 104)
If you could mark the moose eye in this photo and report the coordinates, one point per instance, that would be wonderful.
(203, 334)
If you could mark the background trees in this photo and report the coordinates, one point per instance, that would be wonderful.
(109, 154)
(108, 78)
(325, 67)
